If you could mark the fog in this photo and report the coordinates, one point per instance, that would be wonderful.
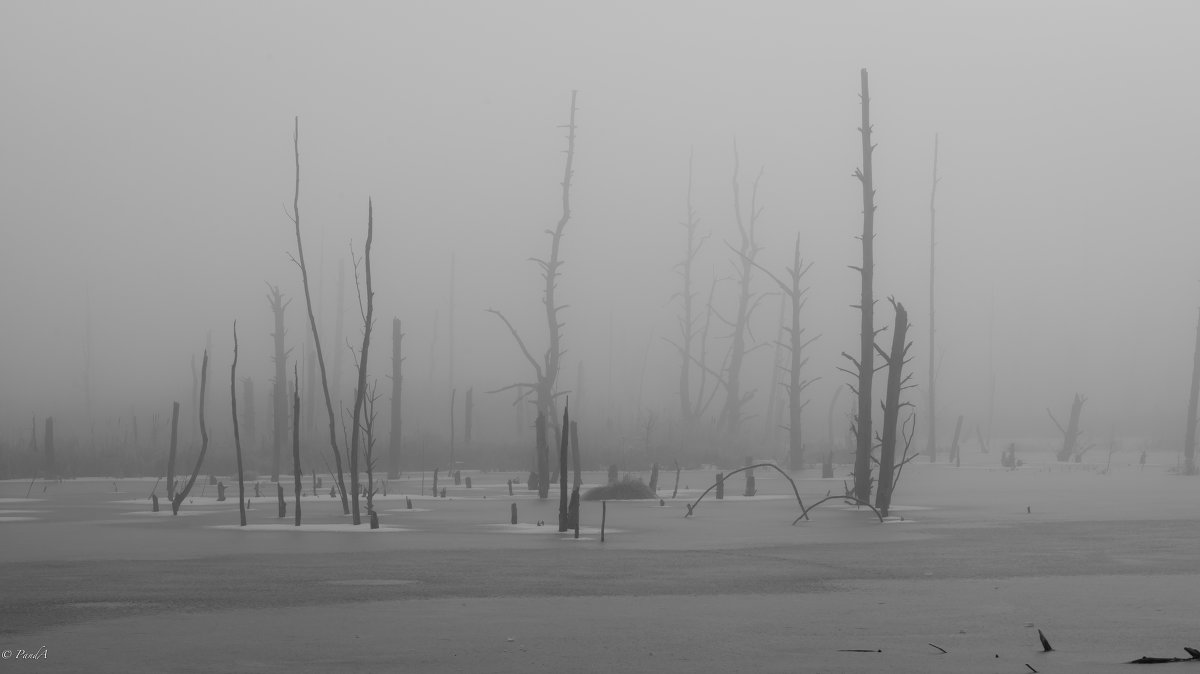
(146, 171)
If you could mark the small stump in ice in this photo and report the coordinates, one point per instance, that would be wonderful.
(220, 491)
(468, 481)
(374, 519)
(514, 513)
(408, 503)
(154, 502)
(720, 486)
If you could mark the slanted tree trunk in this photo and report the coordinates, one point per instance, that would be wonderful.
(360, 393)
(312, 322)
(564, 518)
(171, 454)
(865, 363)
(394, 441)
(237, 437)
(954, 446)
(296, 441)
(182, 494)
(1071, 433)
(1189, 442)
(931, 436)
(891, 409)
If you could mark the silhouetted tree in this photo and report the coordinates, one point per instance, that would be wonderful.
(395, 438)
(864, 365)
(237, 436)
(312, 321)
(730, 418)
(279, 395)
(896, 382)
(1189, 442)
(182, 494)
(546, 371)
(367, 313)
(1070, 447)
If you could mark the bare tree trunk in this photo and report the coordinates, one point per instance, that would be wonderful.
(891, 409)
(237, 437)
(543, 457)
(179, 496)
(296, 441)
(339, 322)
(468, 409)
(171, 455)
(931, 447)
(360, 393)
(48, 447)
(564, 518)
(954, 446)
(278, 306)
(450, 323)
(312, 321)
(575, 455)
(732, 413)
(394, 441)
(1071, 432)
(866, 360)
(1189, 442)
(547, 372)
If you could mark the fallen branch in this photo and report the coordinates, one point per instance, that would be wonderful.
(1146, 660)
(939, 648)
(752, 467)
(845, 497)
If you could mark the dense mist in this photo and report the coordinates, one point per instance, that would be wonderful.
(147, 172)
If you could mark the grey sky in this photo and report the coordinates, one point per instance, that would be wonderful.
(146, 154)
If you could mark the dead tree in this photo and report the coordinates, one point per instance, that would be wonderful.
(931, 446)
(453, 394)
(546, 371)
(296, 440)
(564, 516)
(864, 365)
(182, 494)
(688, 322)
(954, 446)
(279, 396)
(1189, 443)
(896, 382)
(395, 439)
(543, 457)
(1071, 433)
(468, 410)
(48, 447)
(575, 455)
(369, 450)
(248, 407)
(368, 318)
(732, 414)
(237, 437)
(795, 345)
(312, 321)
(171, 455)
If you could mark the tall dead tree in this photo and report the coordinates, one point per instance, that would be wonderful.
(864, 365)
(237, 436)
(468, 413)
(395, 438)
(360, 394)
(563, 498)
(312, 322)
(797, 297)
(1189, 442)
(690, 410)
(931, 447)
(339, 323)
(279, 394)
(1070, 447)
(896, 382)
(732, 414)
(543, 457)
(296, 441)
(546, 371)
(171, 455)
(182, 494)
